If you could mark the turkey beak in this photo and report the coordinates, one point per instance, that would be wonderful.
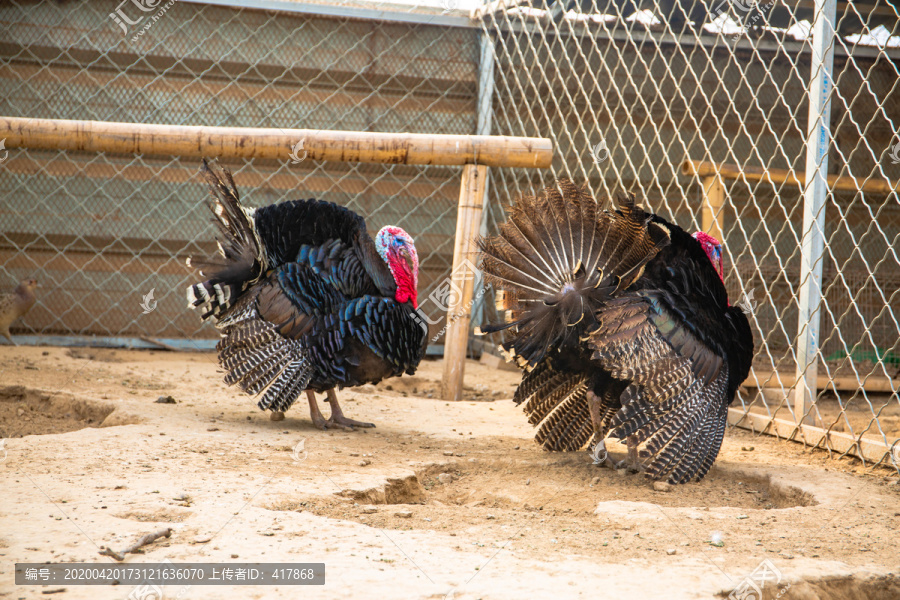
(404, 254)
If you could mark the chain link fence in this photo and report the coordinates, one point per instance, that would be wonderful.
(627, 91)
(630, 91)
(102, 231)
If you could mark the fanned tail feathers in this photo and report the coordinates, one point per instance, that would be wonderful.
(239, 261)
(558, 256)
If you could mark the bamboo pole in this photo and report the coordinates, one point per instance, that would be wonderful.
(459, 314)
(712, 215)
(702, 168)
(275, 144)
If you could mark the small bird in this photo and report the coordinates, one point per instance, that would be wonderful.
(306, 301)
(622, 322)
(15, 305)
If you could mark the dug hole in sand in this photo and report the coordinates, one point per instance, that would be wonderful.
(441, 500)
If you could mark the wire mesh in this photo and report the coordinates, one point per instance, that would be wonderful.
(101, 231)
(630, 91)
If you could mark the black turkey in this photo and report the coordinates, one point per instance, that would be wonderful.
(623, 324)
(305, 300)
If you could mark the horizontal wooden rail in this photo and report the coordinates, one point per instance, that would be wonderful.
(774, 380)
(703, 168)
(866, 448)
(275, 144)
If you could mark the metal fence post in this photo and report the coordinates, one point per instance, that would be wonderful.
(814, 197)
(483, 127)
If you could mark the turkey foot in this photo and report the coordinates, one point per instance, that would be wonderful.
(631, 464)
(337, 415)
(337, 420)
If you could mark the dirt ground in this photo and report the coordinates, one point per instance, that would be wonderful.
(441, 500)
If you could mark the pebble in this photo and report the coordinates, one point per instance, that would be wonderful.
(445, 478)
(747, 448)
(403, 514)
(368, 510)
(595, 481)
(20, 411)
(201, 539)
(448, 452)
(671, 551)
(165, 400)
(365, 462)
(490, 517)
(661, 486)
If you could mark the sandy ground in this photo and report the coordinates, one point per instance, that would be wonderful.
(441, 500)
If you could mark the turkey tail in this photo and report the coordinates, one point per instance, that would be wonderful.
(239, 261)
(559, 256)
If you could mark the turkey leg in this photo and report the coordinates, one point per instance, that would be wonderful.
(632, 463)
(337, 415)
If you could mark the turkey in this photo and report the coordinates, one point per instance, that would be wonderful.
(305, 300)
(622, 323)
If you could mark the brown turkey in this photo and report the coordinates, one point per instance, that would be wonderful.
(623, 324)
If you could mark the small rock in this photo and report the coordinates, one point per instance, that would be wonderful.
(743, 517)
(20, 411)
(201, 539)
(747, 448)
(785, 555)
(445, 478)
(234, 556)
(403, 514)
(368, 510)
(166, 400)
(671, 551)
(212, 428)
(516, 448)
(490, 517)
(662, 486)
(276, 415)
(448, 452)
(527, 481)
(354, 454)
(365, 462)
(45, 353)
(595, 481)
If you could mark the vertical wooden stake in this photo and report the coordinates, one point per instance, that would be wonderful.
(713, 201)
(462, 279)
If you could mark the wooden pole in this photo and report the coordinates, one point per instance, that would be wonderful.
(462, 279)
(275, 144)
(702, 168)
(712, 214)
